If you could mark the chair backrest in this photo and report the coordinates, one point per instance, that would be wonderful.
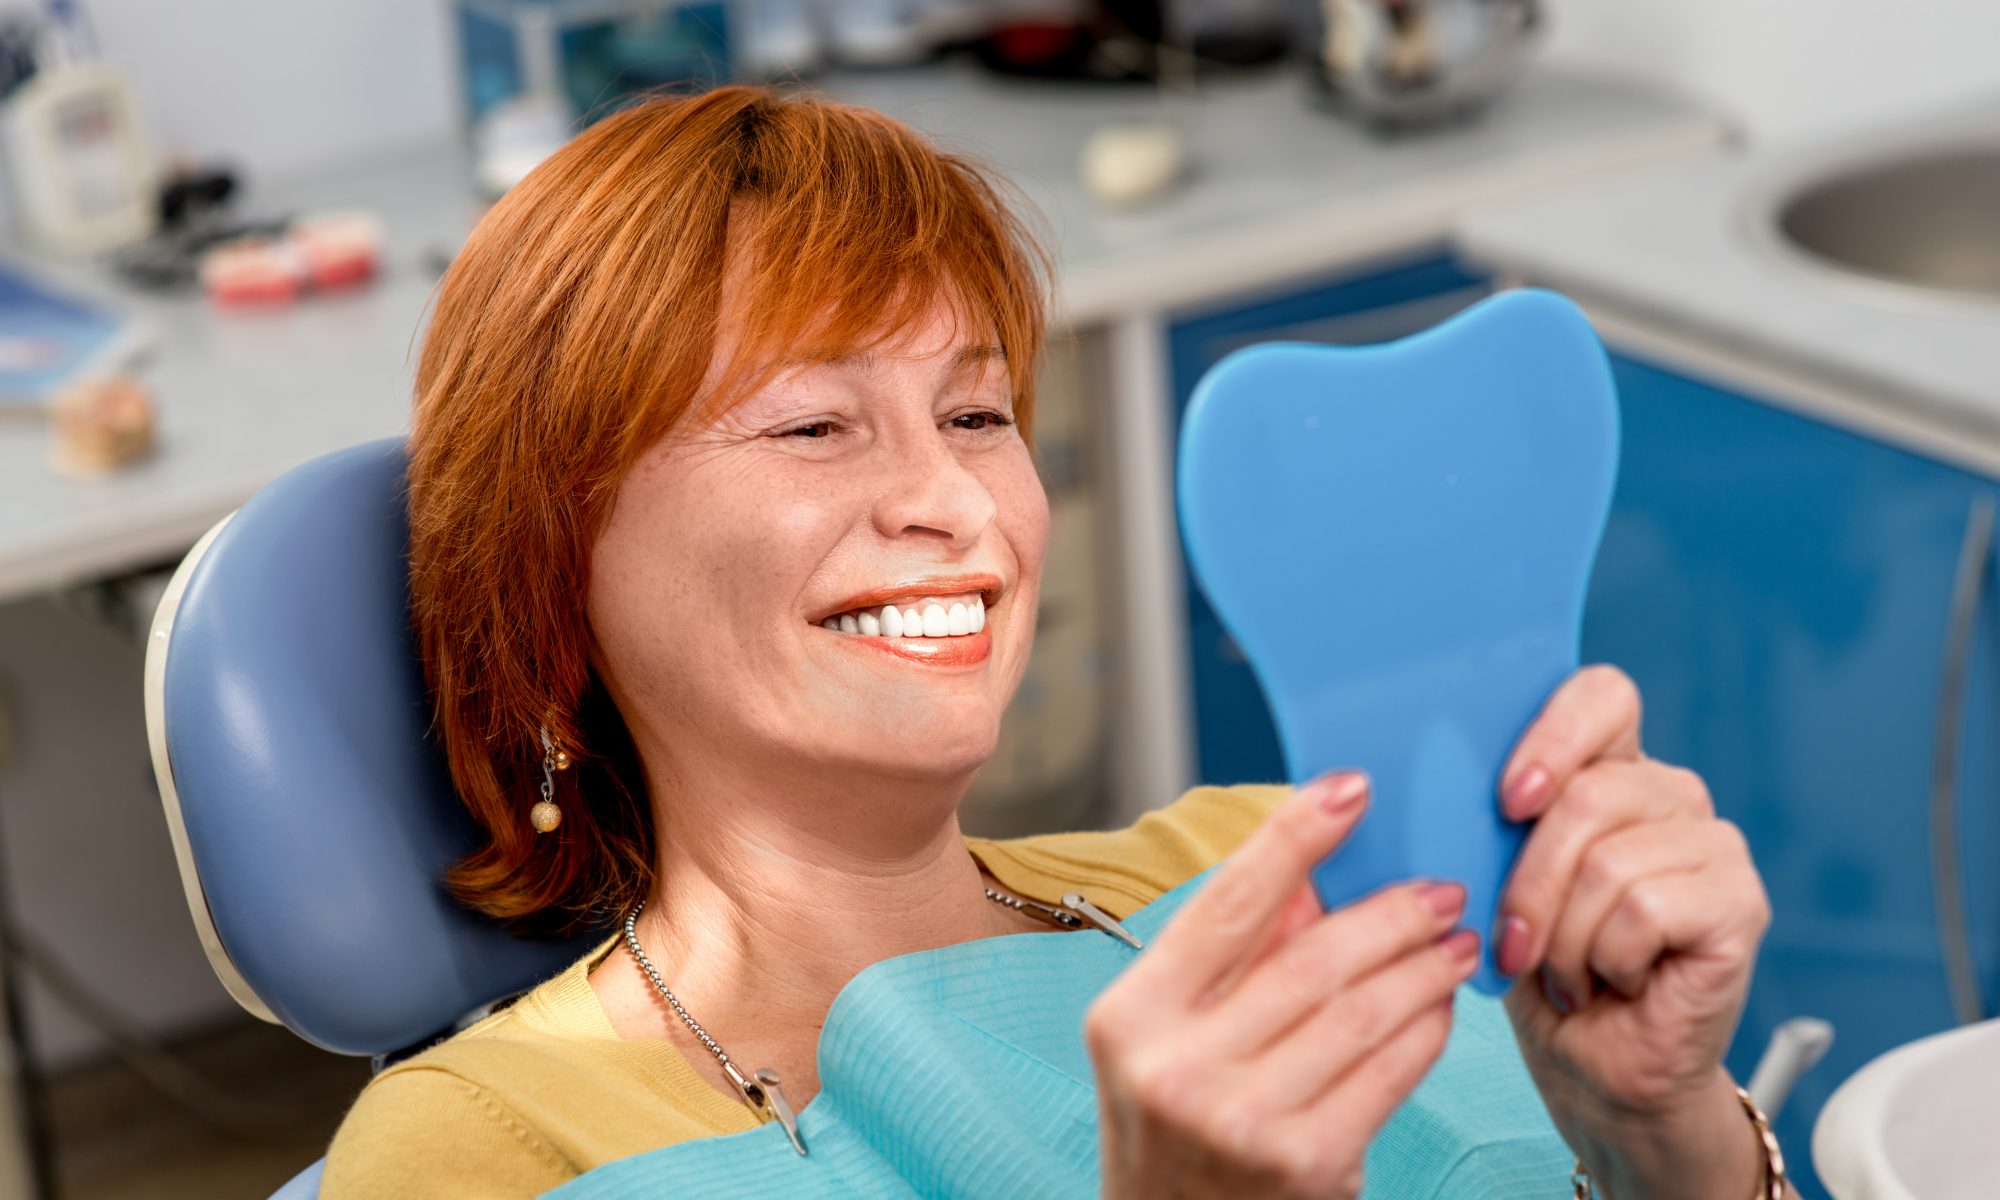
(1399, 538)
(311, 816)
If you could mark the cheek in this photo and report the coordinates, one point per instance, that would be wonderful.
(631, 598)
(705, 560)
(1023, 517)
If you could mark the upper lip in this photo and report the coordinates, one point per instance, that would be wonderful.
(988, 586)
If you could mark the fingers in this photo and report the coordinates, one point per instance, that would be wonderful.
(1226, 922)
(1224, 1113)
(1716, 911)
(1314, 970)
(1363, 1099)
(1610, 868)
(1302, 910)
(1350, 1025)
(1597, 802)
(1594, 715)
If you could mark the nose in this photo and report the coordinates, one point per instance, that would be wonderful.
(928, 492)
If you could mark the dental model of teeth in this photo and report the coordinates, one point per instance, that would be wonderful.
(935, 620)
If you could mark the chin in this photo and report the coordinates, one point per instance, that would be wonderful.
(935, 750)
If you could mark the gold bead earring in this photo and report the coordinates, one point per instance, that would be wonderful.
(546, 814)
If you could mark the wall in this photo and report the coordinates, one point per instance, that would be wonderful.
(1792, 68)
(280, 84)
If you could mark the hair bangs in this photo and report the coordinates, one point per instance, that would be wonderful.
(848, 234)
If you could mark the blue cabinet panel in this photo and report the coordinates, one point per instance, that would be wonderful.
(1236, 741)
(1779, 589)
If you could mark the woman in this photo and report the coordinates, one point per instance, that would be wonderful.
(726, 541)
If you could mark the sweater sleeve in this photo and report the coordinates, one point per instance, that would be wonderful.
(422, 1132)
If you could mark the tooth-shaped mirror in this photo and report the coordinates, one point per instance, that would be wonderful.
(1399, 538)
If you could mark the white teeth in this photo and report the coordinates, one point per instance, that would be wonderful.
(936, 620)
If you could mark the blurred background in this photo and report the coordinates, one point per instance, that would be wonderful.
(221, 221)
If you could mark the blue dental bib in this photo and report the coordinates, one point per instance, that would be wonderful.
(961, 1072)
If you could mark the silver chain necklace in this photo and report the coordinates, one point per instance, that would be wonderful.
(761, 1087)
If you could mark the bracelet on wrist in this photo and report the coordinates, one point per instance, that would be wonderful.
(1774, 1183)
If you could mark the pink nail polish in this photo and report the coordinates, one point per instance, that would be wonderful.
(1513, 951)
(1563, 1002)
(1525, 792)
(1343, 792)
(1460, 946)
(1445, 899)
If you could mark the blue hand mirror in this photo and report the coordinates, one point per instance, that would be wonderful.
(1399, 538)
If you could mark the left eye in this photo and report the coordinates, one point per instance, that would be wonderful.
(978, 420)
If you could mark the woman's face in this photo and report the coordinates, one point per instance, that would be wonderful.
(893, 479)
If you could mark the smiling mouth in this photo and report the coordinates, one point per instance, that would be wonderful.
(938, 621)
(933, 617)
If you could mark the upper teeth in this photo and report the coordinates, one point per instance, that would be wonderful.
(929, 620)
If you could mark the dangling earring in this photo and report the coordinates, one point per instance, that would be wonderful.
(546, 814)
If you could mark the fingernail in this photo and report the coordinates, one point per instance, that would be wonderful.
(1460, 946)
(1563, 1002)
(1513, 954)
(1342, 792)
(1447, 900)
(1524, 793)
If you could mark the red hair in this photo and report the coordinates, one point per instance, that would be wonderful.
(574, 331)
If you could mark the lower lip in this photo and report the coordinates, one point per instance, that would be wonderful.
(967, 650)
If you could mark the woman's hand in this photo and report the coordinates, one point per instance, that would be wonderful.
(1632, 920)
(1259, 1043)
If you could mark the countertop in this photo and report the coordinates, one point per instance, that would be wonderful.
(1281, 191)
(1689, 248)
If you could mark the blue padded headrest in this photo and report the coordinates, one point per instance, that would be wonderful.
(1399, 537)
(318, 817)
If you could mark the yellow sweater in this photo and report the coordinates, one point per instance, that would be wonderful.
(546, 1089)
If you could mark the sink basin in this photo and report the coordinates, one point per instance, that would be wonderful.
(1924, 220)
(1916, 1123)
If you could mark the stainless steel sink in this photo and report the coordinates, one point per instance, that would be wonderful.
(1923, 221)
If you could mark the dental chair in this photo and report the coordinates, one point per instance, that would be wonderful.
(311, 818)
